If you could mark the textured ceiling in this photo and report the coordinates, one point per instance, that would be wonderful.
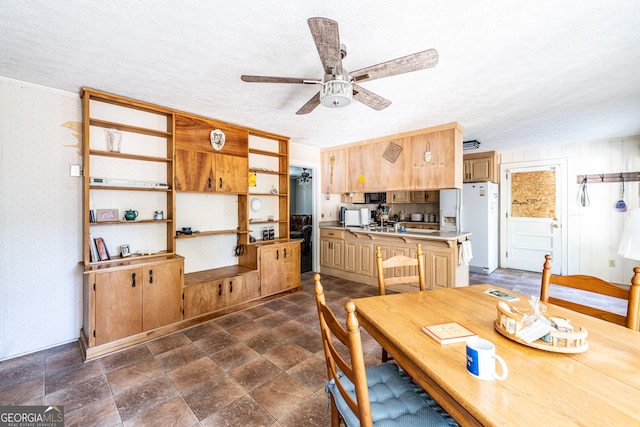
(514, 74)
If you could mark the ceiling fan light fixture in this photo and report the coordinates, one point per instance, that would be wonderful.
(336, 93)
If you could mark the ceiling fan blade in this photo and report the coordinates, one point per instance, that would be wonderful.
(369, 98)
(310, 105)
(325, 35)
(267, 79)
(406, 64)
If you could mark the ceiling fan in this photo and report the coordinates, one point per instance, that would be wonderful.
(338, 86)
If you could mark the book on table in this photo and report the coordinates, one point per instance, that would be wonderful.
(447, 333)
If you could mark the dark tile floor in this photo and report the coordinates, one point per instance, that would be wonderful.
(260, 367)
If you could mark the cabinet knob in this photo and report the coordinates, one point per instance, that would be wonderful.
(219, 289)
(221, 183)
(150, 276)
(285, 252)
(230, 286)
(277, 254)
(133, 280)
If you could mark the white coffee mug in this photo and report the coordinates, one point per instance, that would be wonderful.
(481, 360)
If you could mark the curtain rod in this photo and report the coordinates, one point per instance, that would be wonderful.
(609, 177)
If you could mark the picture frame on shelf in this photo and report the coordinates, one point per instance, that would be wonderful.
(125, 251)
(106, 215)
(103, 253)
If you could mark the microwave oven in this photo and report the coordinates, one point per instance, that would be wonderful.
(375, 198)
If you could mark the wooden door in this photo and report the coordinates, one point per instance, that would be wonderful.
(203, 298)
(291, 265)
(279, 267)
(118, 304)
(399, 197)
(440, 170)
(161, 303)
(270, 269)
(334, 168)
(478, 169)
(231, 173)
(193, 171)
(350, 256)
(242, 288)
(533, 216)
(331, 253)
(366, 263)
(439, 269)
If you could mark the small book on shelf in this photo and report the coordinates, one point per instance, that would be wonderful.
(447, 333)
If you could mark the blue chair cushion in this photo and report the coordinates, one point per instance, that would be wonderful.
(395, 400)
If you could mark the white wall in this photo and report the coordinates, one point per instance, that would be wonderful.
(40, 218)
(594, 231)
(40, 212)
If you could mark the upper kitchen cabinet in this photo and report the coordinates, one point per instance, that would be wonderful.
(205, 163)
(480, 167)
(334, 171)
(423, 159)
(377, 166)
(435, 158)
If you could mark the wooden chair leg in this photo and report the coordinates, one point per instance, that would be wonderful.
(335, 415)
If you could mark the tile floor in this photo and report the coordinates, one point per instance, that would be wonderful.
(260, 367)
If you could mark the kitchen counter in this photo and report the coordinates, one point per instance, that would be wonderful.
(349, 253)
(411, 233)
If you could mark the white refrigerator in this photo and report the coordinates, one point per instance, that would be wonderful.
(480, 216)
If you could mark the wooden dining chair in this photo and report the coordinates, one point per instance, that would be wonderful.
(598, 286)
(363, 396)
(400, 261)
(386, 278)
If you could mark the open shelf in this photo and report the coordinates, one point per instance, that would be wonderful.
(129, 156)
(210, 233)
(267, 172)
(267, 153)
(137, 221)
(129, 128)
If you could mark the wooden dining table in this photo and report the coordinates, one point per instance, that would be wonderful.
(598, 387)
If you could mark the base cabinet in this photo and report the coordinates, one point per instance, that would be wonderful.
(332, 249)
(358, 262)
(279, 266)
(212, 295)
(130, 300)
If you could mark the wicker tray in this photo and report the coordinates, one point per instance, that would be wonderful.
(561, 342)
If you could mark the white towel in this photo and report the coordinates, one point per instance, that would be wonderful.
(466, 254)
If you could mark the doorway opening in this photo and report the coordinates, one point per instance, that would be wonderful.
(301, 208)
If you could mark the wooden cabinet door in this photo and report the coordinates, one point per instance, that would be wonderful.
(334, 169)
(242, 288)
(325, 253)
(231, 173)
(478, 169)
(439, 267)
(291, 265)
(418, 196)
(203, 298)
(366, 264)
(269, 269)
(350, 256)
(399, 197)
(118, 310)
(161, 303)
(279, 267)
(193, 171)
